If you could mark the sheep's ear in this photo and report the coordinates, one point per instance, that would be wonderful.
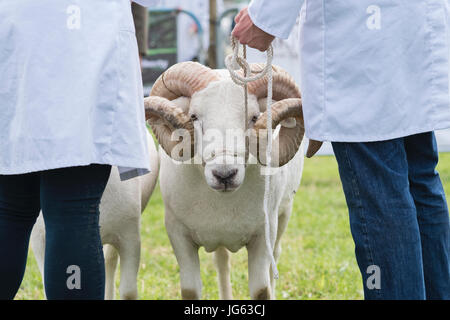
(262, 102)
(183, 103)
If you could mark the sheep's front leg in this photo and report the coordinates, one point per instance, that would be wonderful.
(222, 261)
(259, 269)
(186, 252)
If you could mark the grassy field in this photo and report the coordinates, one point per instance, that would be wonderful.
(317, 261)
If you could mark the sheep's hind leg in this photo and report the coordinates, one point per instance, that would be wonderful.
(258, 269)
(130, 254)
(111, 259)
(283, 220)
(222, 261)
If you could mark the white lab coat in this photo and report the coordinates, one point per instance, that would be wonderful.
(70, 86)
(370, 70)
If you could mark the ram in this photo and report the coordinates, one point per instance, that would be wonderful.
(213, 190)
(120, 219)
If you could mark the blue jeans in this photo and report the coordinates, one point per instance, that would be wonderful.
(398, 216)
(69, 199)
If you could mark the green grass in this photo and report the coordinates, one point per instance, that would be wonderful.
(317, 261)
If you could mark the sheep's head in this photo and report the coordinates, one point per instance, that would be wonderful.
(197, 113)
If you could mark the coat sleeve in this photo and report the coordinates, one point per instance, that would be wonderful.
(147, 3)
(275, 17)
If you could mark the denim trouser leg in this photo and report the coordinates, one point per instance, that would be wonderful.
(383, 218)
(70, 199)
(432, 213)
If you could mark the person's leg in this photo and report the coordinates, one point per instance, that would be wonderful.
(19, 208)
(74, 264)
(383, 218)
(432, 212)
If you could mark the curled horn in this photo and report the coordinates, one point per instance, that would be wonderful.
(288, 105)
(182, 79)
(283, 85)
(289, 138)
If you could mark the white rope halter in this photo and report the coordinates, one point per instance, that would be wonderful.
(231, 62)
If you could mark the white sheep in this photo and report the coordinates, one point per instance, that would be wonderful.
(120, 219)
(214, 198)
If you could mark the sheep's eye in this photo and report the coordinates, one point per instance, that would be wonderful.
(194, 117)
(254, 119)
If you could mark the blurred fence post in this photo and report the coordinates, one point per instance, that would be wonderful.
(212, 50)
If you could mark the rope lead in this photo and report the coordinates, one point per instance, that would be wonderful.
(231, 61)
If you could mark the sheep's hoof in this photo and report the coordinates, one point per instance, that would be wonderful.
(263, 294)
(189, 294)
(129, 296)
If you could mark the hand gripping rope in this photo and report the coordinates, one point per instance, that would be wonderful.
(231, 61)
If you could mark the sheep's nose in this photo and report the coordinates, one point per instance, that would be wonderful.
(224, 176)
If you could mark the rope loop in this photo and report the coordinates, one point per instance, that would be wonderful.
(235, 59)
